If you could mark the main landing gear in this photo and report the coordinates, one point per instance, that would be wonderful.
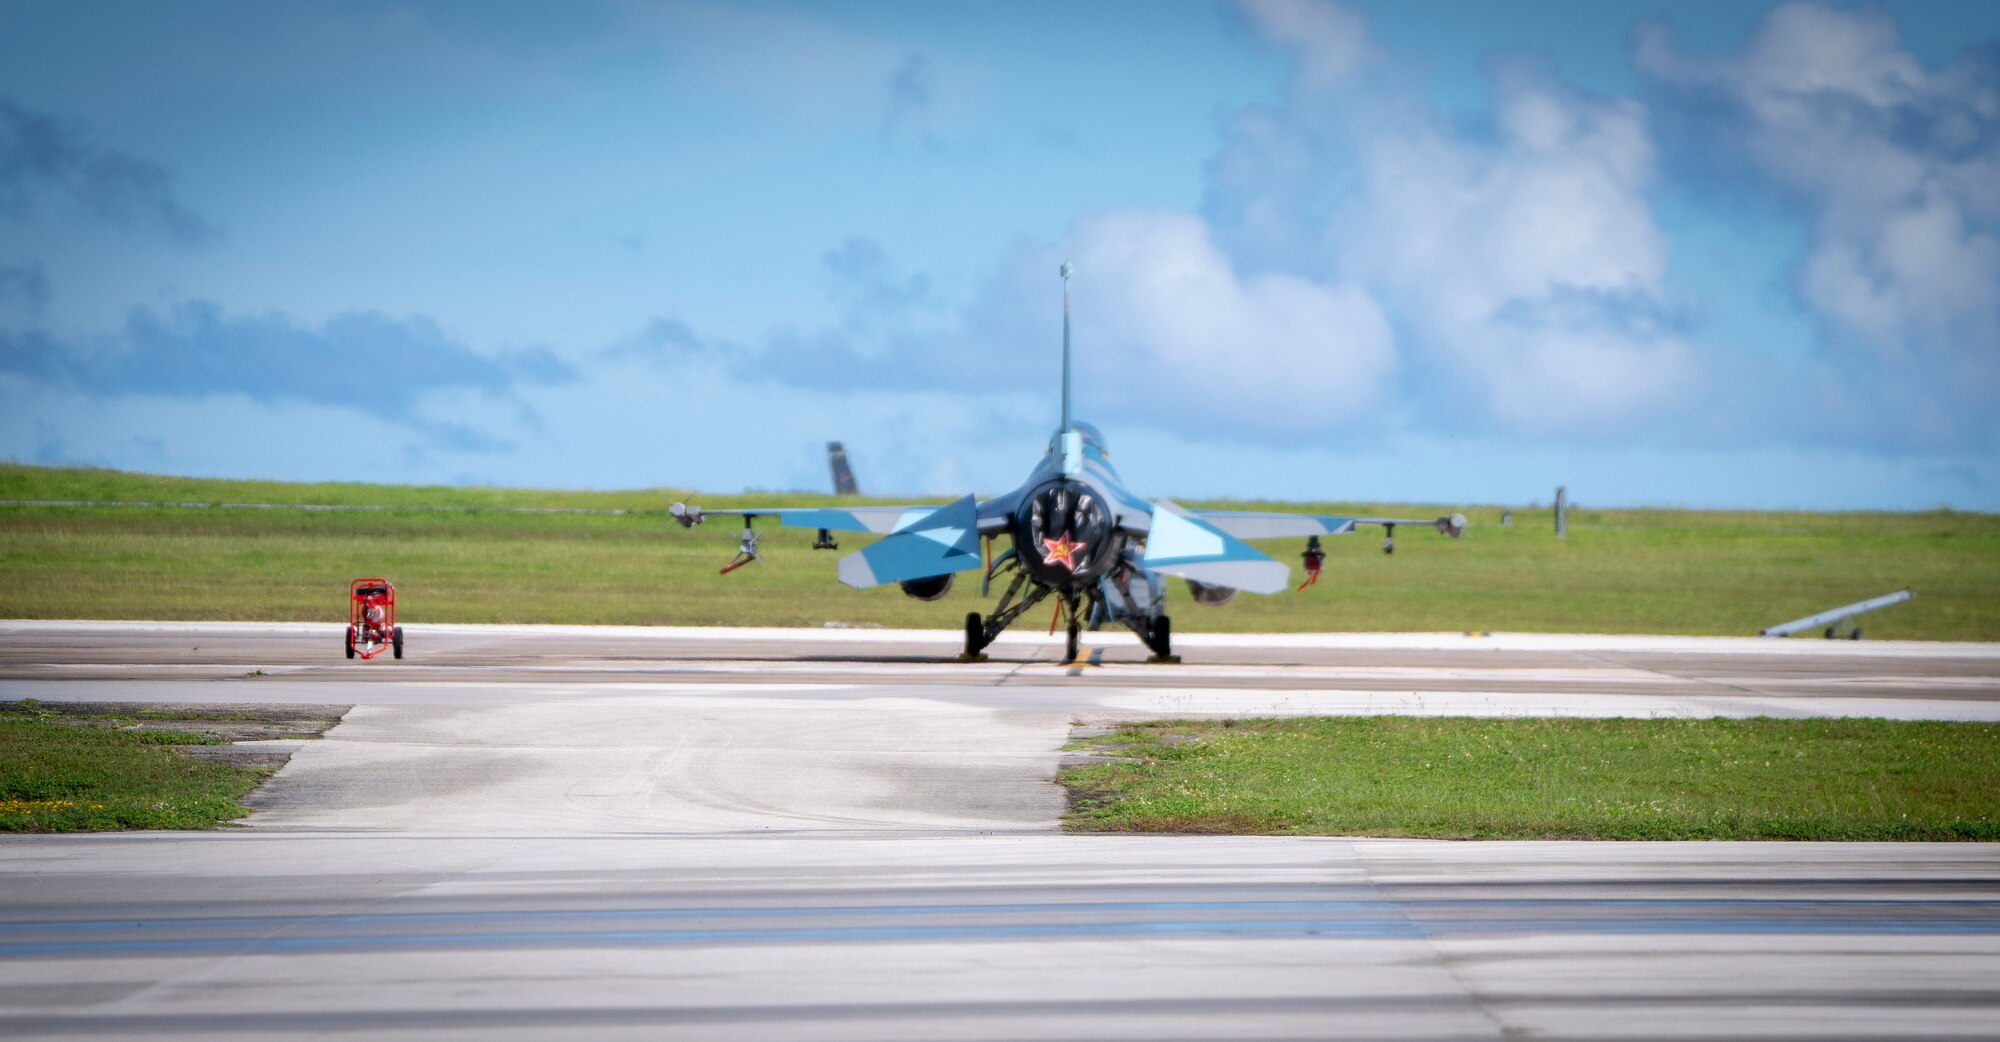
(1162, 643)
(975, 639)
(1160, 639)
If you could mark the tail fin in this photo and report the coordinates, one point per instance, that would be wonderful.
(843, 475)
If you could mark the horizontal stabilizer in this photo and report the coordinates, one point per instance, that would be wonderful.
(855, 519)
(1252, 524)
(1184, 545)
(880, 520)
(939, 542)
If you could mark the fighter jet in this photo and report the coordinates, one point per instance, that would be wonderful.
(1073, 532)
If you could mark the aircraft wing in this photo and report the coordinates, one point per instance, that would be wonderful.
(879, 520)
(921, 542)
(1253, 524)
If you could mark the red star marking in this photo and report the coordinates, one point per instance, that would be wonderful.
(1062, 551)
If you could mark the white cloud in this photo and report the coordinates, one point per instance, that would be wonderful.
(1531, 260)
(1523, 254)
(1507, 272)
(1899, 167)
(1913, 273)
(1329, 40)
(1167, 332)
(1174, 328)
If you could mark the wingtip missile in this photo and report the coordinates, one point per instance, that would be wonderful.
(1452, 525)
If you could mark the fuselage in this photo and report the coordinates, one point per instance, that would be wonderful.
(1071, 529)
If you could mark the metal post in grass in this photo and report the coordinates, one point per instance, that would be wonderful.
(1562, 511)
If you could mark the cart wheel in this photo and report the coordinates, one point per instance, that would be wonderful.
(396, 640)
(1075, 642)
(350, 642)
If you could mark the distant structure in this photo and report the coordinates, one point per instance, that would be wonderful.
(1562, 511)
(843, 475)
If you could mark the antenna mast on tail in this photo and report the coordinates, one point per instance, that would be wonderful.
(1064, 272)
(1070, 439)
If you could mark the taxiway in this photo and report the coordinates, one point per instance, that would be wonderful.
(537, 831)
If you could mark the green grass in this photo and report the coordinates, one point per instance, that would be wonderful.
(20, 481)
(59, 774)
(1620, 571)
(1546, 779)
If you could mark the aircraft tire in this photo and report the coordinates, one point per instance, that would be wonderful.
(1163, 636)
(350, 642)
(975, 634)
(396, 641)
(1075, 644)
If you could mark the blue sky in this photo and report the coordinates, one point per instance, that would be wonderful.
(1687, 254)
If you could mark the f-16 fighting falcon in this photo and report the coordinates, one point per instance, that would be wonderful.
(1076, 534)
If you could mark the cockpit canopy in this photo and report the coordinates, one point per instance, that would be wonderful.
(1092, 438)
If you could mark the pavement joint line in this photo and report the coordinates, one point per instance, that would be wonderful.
(1698, 682)
(1009, 675)
(1498, 641)
(439, 672)
(1394, 926)
(901, 910)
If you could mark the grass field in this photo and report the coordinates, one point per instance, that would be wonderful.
(63, 772)
(1619, 571)
(1547, 779)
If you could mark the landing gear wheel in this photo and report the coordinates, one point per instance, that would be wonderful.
(1163, 641)
(975, 638)
(1856, 635)
(1075, 644)
(350, 642)
(396, 641)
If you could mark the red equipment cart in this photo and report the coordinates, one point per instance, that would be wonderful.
(371, 618)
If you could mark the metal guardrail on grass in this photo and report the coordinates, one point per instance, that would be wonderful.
(1832, 619)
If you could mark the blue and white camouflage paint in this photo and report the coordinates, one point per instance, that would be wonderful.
(1074, 532)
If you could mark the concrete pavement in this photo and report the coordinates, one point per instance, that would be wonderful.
(527, 833)
(859, 936)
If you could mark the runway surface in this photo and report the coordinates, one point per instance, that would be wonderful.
(526, 832)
